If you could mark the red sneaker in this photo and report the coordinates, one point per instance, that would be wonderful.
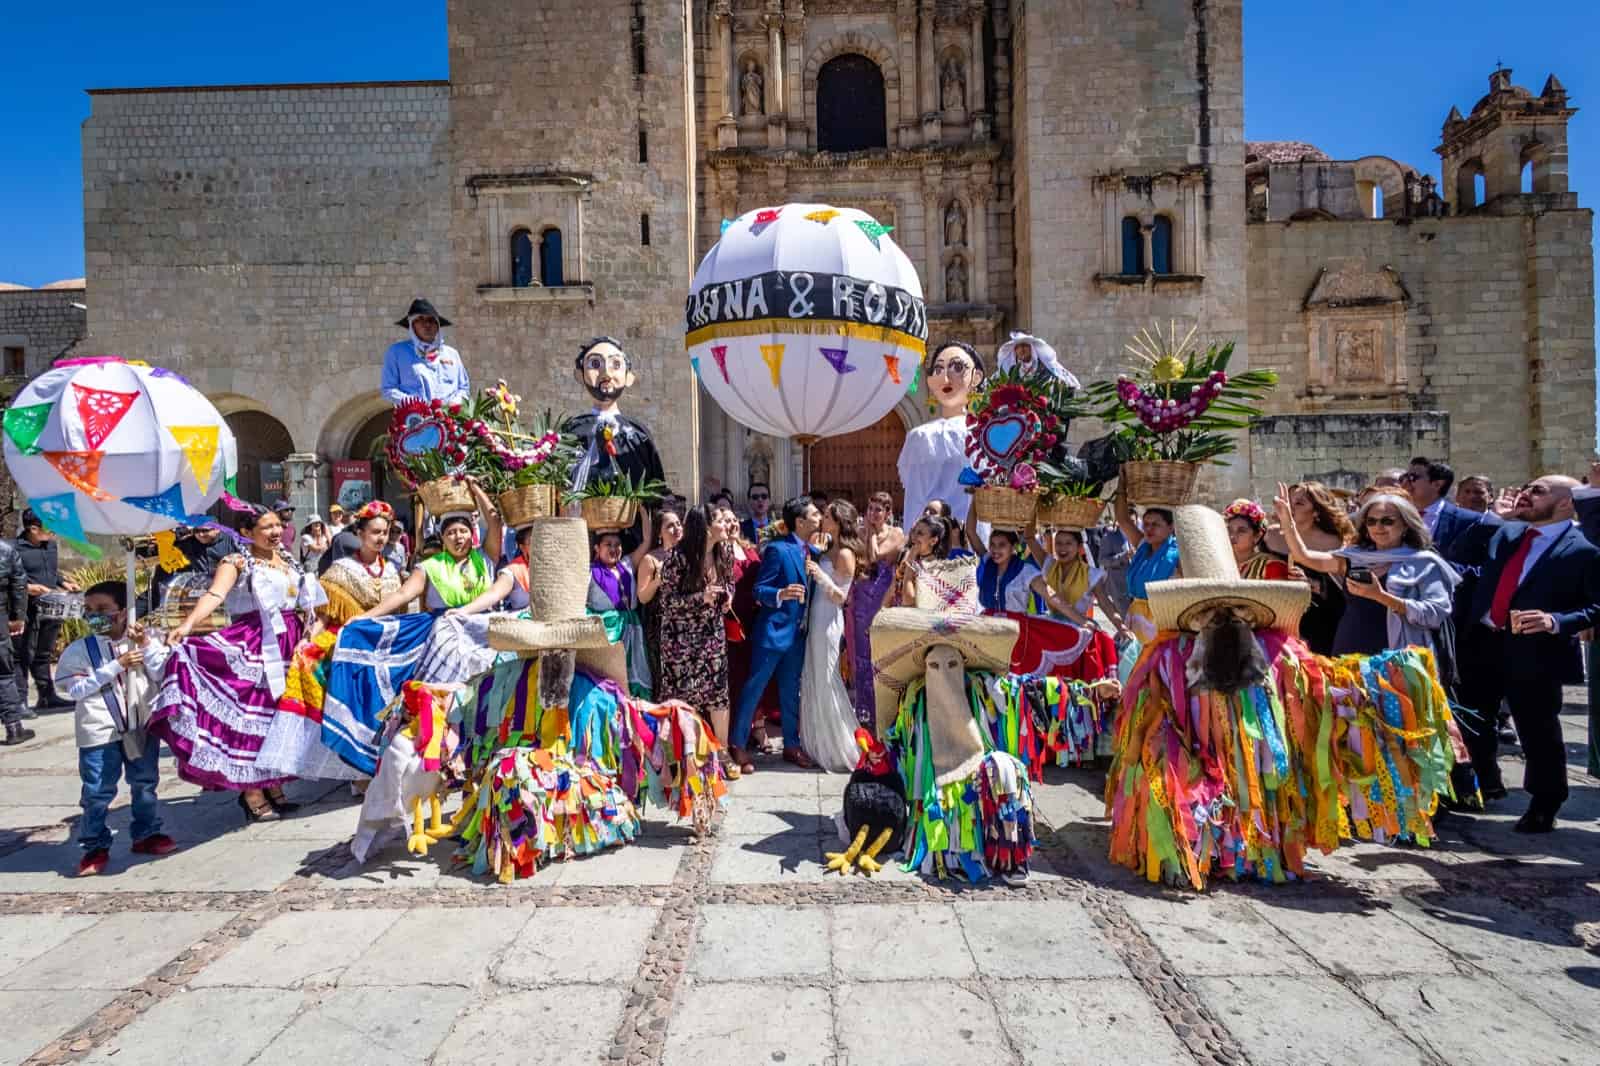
(93, 862)
(155, 844)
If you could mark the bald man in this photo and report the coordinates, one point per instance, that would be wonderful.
(1539, 587)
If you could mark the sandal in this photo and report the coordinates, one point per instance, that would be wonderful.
(730, 766)
(741, 758)
(799, 757)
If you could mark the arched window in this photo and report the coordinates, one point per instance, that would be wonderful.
(550, 257)
(1527, 177)
(1479, 188)
(521, 258)
(851, 113)
(1469, 185)
(1132, 246)
(1161, 246)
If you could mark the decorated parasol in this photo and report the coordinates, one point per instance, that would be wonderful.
(806, 321)
(105, 445)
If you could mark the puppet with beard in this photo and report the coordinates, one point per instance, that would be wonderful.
(612, 443)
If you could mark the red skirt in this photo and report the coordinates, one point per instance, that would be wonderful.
(1048, 648)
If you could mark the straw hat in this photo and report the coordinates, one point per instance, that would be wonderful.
(558, 593)
(901, 636)
(1211, 579)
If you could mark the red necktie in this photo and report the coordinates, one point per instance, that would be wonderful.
(1500, 608)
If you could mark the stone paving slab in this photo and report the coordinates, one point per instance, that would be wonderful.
(751, 1025)
(1103, 1022)
(438, 946)
(1493, 935)
(768, 780)
(27, 817)
(738, 942)
(769, 815)
(26, 937)
(361, 1026)
(785, 858)
(882, 942)
(542, 1027)
(575, 945)
(205, 1027)
(1036, 939)
(1213, 936)
(33, 1019)
(225, 864)
(299, 949)
(1571, 999)
(1309, 1021)
(646, 862)
(116, 952)
(1471, 1021)
(933, 1022)
(1354, 940)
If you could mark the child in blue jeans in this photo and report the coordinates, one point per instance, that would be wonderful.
(110, 726)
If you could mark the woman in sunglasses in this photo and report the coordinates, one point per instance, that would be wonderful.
(1399, 589)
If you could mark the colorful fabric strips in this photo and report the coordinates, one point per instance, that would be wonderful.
(1244, 785)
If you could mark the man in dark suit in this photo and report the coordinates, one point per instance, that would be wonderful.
(1428, 484)
(1539, 587)
(778, 643)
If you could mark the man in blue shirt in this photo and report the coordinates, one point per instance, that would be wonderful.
(422, 367)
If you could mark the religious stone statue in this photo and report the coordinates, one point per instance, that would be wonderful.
(955, 225)
(955, 282)
(751, 98)
(953, 85)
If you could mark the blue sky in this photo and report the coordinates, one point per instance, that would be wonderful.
(1376, 77)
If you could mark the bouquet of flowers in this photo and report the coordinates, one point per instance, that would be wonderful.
(1017, 446)
(1183, 405)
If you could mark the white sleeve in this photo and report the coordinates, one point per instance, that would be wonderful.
(76, 677)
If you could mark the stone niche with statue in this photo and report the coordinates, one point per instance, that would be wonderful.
(1356, 334)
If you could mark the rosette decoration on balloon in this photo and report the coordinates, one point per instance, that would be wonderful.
(1182, 408)
(806, 321)
(105, 445)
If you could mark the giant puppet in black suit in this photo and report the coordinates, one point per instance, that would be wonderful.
(1538, 588)
(612, 443)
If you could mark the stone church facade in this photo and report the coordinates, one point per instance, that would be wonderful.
(1075, 169)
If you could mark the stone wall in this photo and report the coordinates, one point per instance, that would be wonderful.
(1495, 329)
(1137, 95)
(42, 322)
(1341, 450)
(546, 105)
(264, 240)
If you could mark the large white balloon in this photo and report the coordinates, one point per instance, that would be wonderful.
(806, 321)
(102, 445)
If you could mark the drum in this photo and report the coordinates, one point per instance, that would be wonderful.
(60, 606)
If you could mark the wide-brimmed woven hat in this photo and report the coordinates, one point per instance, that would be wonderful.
(901, 637)
(558, 591)
(1211, 580)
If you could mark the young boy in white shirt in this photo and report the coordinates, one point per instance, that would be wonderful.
(95, 673)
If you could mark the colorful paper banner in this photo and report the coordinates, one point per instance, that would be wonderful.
(59, 515)
(199, 444)
(24, 424)
(81, 470)
(100, 410)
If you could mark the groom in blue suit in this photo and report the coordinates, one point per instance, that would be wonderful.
(779, 641)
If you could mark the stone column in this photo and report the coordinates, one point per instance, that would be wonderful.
(933, 233)
(978, 193)
(728, 126)
(977, 90)
(927, 76)
(775, 94)
(302, 482)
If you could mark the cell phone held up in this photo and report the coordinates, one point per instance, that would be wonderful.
(1359, 574)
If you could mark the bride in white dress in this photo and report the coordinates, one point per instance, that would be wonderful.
(827, 717)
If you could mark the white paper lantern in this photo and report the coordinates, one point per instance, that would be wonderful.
(806, 321)
(102, 445)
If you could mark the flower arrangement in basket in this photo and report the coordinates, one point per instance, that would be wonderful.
(612, 503)
(1182, 409)
(1017, 446)
(525, 467)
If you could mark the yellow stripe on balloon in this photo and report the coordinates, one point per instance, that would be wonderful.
(773, 355)
(830, 327)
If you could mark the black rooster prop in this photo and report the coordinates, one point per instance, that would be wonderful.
(874, 809)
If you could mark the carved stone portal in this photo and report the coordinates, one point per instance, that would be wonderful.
(1356, 329)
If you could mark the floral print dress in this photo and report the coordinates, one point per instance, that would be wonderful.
(693, 642)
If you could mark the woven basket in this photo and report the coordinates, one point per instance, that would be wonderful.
(1159, 482)
(521, 505)
(1071, 512)
(1004, 508)
(446, 495)
(608, 514)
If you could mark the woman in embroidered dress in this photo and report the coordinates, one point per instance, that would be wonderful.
(927, 541)
(293, 745)
(695, 594)
(1006, 573)
(883, 541)
(1067, 591)
(828, 721)
(613, 595)
(1247, 534)
(221, 690)
(454, 576)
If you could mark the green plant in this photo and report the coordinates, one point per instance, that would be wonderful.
(1183, 406)
(1066, 483)
(619, 487)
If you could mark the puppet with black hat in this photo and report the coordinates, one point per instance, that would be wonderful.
(423, 367)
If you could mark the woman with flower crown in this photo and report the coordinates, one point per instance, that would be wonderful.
(352, 584)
